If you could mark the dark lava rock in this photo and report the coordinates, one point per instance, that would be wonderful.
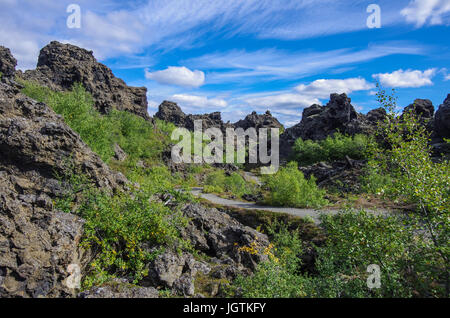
(176, 271)
(259, 121)
(318, 122)
(345, 175)
(60, 66)
(120, 289)
(442, 119)
(376, 115)
(7, 63)
(421, 107)
(171, 112)
(38, 243)
(218, 235)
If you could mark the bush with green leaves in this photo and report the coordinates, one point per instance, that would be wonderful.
(333, 148)
(140, 139)
(357, 239)
(415, 178)
(218, 182)
(278, 277)
(288, 187)
(121, 229)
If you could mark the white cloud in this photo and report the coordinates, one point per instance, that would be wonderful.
(322, 88)
(421, 12)
(408, 78)
(198, 103)
(114, 28)
(180, 76)
(447, 78)
(271, 64)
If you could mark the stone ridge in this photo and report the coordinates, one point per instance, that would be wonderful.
(61, 65)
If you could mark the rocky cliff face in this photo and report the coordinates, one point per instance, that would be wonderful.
(320, 121)
(37, 243)
(61, 65)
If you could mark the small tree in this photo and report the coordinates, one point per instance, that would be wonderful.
(405, 154)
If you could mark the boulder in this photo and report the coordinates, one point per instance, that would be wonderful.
(376, 115)
(120, 288)
(119, 154)
(37, 244)
(442, 119)
(7, 63)
(317, 123)
(36, 144)
(421, 107)
(171, 112)
(176, 271)
(219, 235)
(60, 66)
(259, 121)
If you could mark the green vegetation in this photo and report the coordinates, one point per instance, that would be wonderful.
(411, 250)
(137, 137)
(332, 148)
(218, 182)
(288, 187)
(278, 277)
(125, 231)
(121, 229)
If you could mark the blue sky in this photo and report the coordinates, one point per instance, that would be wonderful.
(239, 56)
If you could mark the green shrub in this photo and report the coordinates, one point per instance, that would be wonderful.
(359, 239)
(288, 187)
(405, 156)
(137, 137)
(216, 178)
(270, 280)
(236, 184)
(212, 189)
(375, 182)
(121, 229)
(279, 276)
(218, 182)
(333, 148)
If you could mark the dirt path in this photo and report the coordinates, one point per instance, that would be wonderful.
(313, 213)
